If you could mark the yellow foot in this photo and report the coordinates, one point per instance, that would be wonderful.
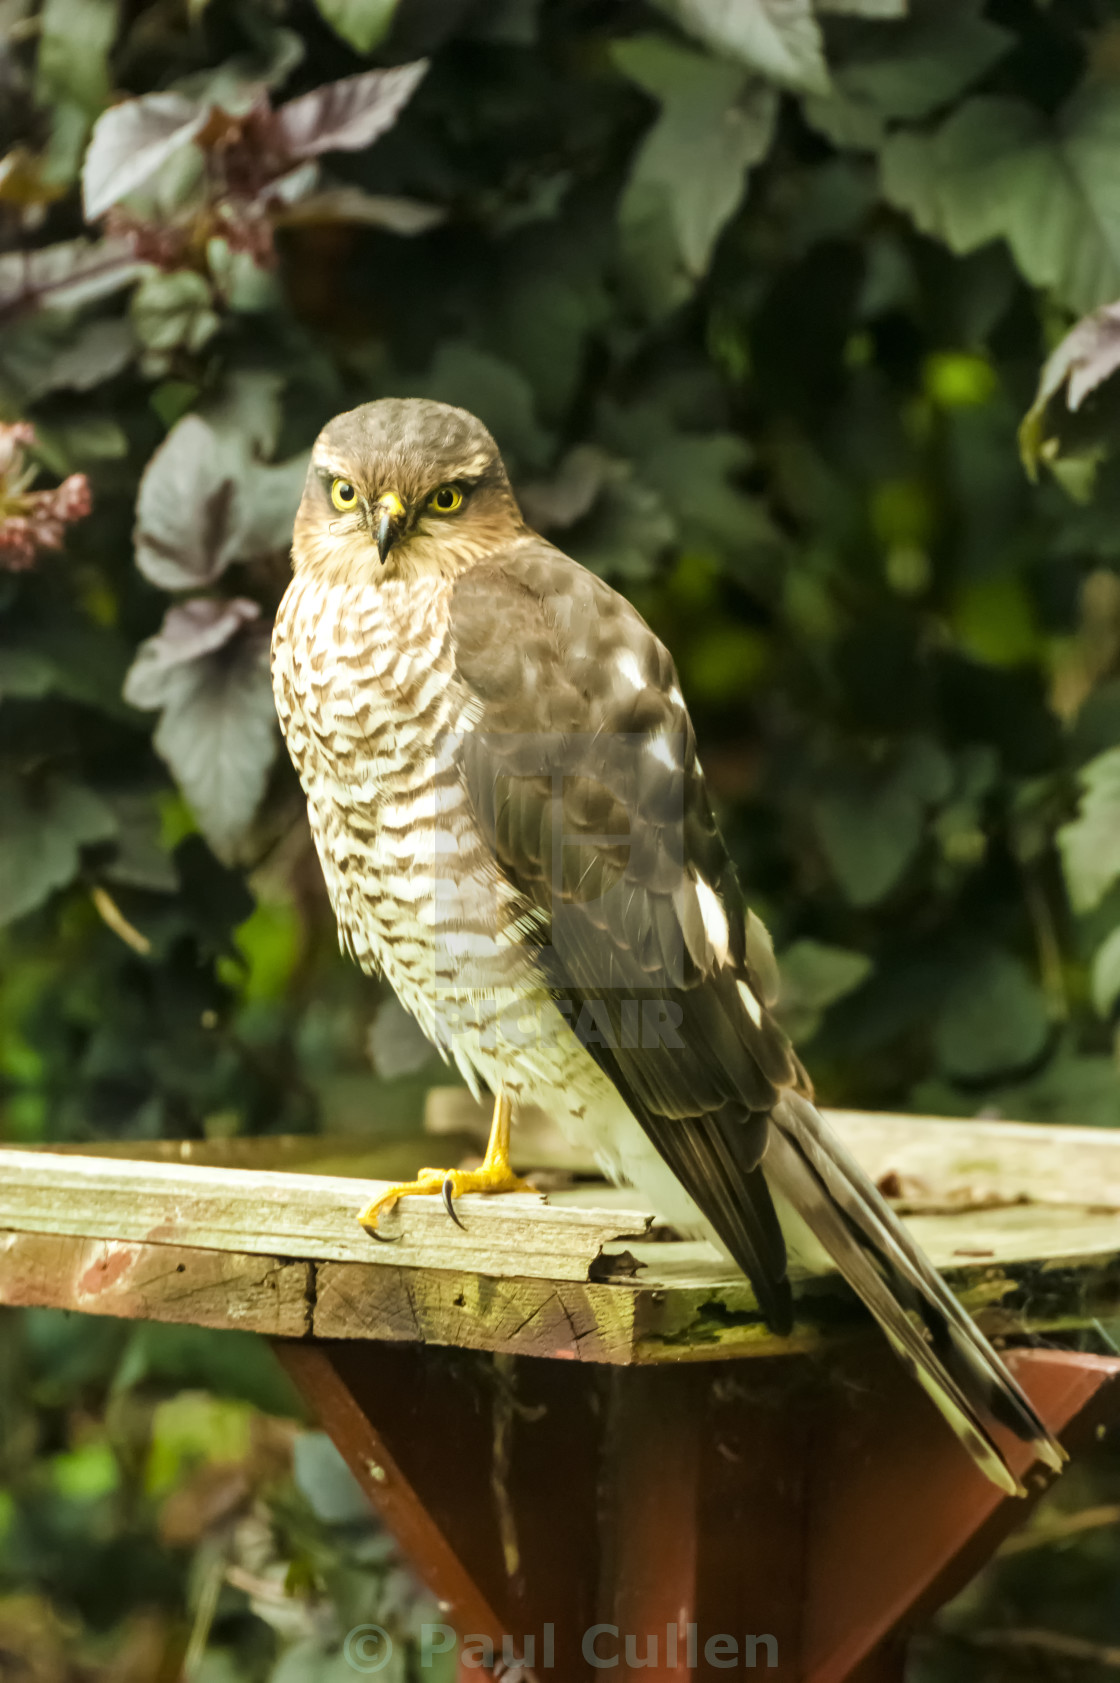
(493, 1175)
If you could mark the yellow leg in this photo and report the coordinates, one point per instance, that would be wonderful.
(493, 1175)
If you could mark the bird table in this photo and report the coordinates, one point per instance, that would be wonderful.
(576, 1425)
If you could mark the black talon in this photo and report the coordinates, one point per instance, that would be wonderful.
(448, 1205)
(385, 1238)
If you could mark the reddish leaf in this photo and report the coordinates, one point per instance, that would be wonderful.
(131, 142)
(72, 273)
(345, 116)
(188, 513)
(272, 496)
(207, 669)
(1087, 356)
(190, 631)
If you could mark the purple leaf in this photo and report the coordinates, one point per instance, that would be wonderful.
(347, 115)
(350, 204)
(75, 272)
(272, 496)
(290, 189)
(189, 511)
(218, 727)
(1087, 356)
(131, 142)
(190, 632)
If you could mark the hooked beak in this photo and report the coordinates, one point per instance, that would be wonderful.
(390, 518)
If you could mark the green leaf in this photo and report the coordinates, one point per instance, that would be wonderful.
(1083, 1091)
(1090, 843)
(496, 392)
(326, 1480)
(73, 272)
(814, 976)
(628, 529)
(42, 833)
(87, 1473)
(1001, 169)
(72, 75)
(230, 1364)
(780, 39)
(1106, 974)
(864, 8)
(870, 829)
(363, 24)
(691, 170)
(25, 673)
(929, 59)
(869, 837)
(994, 1019)
(174, 311)
(697, 477)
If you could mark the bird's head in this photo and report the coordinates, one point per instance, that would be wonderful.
(403, 485)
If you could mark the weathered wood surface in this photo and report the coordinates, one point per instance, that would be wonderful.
(669, 1308)
(156, 1283)
(1024, 1220)
(941, 1160)
(274, 1213)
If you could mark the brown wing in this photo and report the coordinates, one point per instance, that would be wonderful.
(583, 773)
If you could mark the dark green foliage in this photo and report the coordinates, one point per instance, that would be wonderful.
(755, 299)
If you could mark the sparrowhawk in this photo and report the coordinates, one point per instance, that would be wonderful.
(504, 790)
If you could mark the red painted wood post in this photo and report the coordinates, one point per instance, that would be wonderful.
(899, 1519)
(823, 1505)
(493, 1493)
(702, 1498)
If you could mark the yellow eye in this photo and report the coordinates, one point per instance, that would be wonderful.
(343, 495)
(446, 500)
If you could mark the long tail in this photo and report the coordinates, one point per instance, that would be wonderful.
(933, 1337)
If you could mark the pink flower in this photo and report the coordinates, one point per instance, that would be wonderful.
(33, 520)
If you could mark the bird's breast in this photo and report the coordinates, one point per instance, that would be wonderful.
(364, 691)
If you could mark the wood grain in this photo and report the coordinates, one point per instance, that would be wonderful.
(267, 1212)
(156, 1283)
(577, 1275)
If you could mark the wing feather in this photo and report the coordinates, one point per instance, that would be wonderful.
(579, 751)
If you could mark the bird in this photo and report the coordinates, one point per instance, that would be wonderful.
(505, 794)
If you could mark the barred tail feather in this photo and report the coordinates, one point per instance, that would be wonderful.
(936, 1341)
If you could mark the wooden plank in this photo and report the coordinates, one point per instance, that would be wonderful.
(567, 1319)
(662, 1314)
(978, 1156)
(155, 1283)
(952, 1156)
(314, 1216)
(569, 1236)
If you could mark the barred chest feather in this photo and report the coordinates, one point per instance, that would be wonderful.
(364, 685)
